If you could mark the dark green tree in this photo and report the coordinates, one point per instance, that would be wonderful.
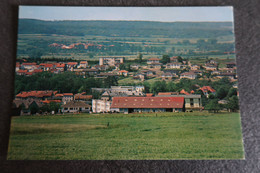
(165, 59)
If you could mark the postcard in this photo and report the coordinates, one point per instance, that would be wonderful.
(125, 83)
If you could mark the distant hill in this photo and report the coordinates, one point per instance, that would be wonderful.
(127, 28)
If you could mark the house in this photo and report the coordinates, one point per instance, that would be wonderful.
(167, 76)
(155, 65)
(71, 65)
(29, 66)
(17, 66)
(25, 107)
(148, 104)
(21, 72)
(82, 97)
(134, 66)
(211, 67)
(46, 66)
(83, 64)
(150, 73)
(60, 66)
(167, 93)
(140, 76)
(91, 72)
(174, 59)
(67, 97)
(191, 101)
(75, 107)
(207, 90)
(197, 72)
(101, 106)
(123, 72)
(153, 60)
(188, 75)
(194, 67)
(111, 61)
(231, 76)
(184, 92)
(174, 72)
(101, 67)
(105, 75)
(174, 65)
(230, 64)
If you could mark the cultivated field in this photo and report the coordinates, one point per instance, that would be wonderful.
(134, 136)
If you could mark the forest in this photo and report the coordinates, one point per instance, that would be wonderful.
(126, 28)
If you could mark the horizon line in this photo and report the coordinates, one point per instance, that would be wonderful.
(54, 20)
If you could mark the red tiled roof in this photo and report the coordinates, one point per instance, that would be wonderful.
(17, 64)
(207, 88)
(25, 94)
(83, 97)
(68, 94)
(37, 71)
(29, 73)
(29, 63)
(60, 65)
(153, 59)
(72, 63)
(164, 93)
(83, 62)
(59, 95)
(123, 71)
(147, 102)
(51, 101)
(188, 73)
(184, 92)
(21, 71)
(149, 94)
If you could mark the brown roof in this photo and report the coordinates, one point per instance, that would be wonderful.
(25, 94)
(147, 102)
(29, 63)
(167, 93)
(207, 88)
(75, 104)
(68, 94)
(188, 73)
(83, 97)
(153, 59)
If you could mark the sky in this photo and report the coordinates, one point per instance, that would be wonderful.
(163, 14)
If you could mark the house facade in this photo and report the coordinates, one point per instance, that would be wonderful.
(188, 75)
(101, 105)
(111, 61)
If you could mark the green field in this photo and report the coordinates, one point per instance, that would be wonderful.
(134, 136)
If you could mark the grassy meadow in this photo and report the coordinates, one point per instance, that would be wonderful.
(160, 136)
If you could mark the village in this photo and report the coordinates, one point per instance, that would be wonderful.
(124, 99)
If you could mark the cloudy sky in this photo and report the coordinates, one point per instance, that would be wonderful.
(163, 14)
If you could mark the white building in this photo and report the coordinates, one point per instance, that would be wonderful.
(101, 106)
(75, 107)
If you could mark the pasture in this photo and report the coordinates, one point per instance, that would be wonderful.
(161, 136)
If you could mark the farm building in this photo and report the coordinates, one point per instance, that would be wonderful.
(148, 104)
(75, 107)
(191, 101)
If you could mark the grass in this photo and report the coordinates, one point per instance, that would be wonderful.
(133, 136)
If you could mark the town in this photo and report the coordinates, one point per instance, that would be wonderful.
(135, 98)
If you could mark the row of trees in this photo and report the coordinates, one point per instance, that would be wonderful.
(67, 82)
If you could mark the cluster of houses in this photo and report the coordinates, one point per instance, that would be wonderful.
(152, 69)
(124, 99)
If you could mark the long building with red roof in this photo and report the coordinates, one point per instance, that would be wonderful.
(148, 104)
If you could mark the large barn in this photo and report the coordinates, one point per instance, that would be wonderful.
(148, 104)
